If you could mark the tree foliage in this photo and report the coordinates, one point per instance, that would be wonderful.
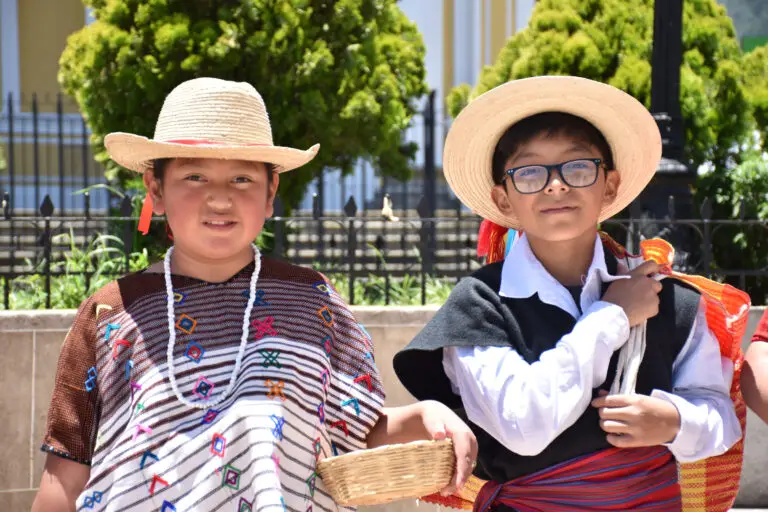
(344, 73)
(608, 41)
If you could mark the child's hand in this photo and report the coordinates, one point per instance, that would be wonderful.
(632, 421)
(441, 423)
(638, 296)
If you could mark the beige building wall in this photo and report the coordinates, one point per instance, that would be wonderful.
(44, 26)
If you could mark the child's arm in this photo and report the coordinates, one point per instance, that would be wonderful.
(63, 481)
(526, 406)
(704, 424)
(754, 375)
(428, 420)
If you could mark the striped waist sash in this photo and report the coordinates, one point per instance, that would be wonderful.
(611, 479)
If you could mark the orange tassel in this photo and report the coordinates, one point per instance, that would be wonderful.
(146, 215)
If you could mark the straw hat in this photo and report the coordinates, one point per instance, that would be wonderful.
(208, 118)
(626, 124)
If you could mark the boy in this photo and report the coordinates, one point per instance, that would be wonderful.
(216, 379)
(754, 378)
(527, 348)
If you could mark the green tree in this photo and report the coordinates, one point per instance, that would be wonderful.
(724, 95)
(343, 73)
(608, 41)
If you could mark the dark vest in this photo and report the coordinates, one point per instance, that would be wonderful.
(532, 328)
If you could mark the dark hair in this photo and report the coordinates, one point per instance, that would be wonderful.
(548, 124)
(160, 165)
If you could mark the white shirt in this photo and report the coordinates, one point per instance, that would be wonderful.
(526, 406)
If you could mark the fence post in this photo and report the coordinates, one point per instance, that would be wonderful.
(46, 210)
(36, 146)
(6, 280)
(126, 209)
(60, 139)
(279, 228)
(350, 210)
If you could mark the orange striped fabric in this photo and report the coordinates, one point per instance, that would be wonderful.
(708, 485)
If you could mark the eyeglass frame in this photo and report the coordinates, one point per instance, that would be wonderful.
(509, 173)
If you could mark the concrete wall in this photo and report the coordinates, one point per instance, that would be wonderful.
(29, 346)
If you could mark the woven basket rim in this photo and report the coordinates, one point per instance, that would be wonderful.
(379, 450)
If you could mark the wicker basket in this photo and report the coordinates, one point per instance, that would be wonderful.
(390, 473)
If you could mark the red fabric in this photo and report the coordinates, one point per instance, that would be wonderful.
(491, 242)
(611, 479)
(146, 215)
(761, 334)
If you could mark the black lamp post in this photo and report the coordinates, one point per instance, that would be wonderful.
(669, 195)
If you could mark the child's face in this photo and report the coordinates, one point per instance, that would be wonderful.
(558, 212)
(215, 208)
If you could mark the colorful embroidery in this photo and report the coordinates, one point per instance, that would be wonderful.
(276, 460)
(327, 343)
(321, 412)
(366, 379)
(354, 403)
(218, 445)
(147, 455)
(341, 425)
(168, 506)
(263, 328)
(244, 506)
(368, 355)
(311, 482)
(209, 416)
(116, 348)
(92, 500)
(109, 329)
(194, 352)
(156, 480)
(318, 449)
(334, 449)
(270, 358)
(186, 324)
(231, 477)
(279, 422)
(135, 386)
(276, 389)
(90, 382)
(326, 378)
(128, 368)
(139, 407)
(326, 315)
(102, 307)
(259, 300)
(179, 297)
(203, 388)
(322, 287)
(141, 429)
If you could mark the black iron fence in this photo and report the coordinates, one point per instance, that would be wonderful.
(373, 259)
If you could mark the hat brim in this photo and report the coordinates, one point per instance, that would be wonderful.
(136, 153)
(626, 124)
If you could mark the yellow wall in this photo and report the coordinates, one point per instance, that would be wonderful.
(44, 26)
(448, 35)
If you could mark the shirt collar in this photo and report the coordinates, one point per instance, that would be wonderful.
(523, 275)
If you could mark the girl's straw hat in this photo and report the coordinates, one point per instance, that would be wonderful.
(208, 118)
(625, 123)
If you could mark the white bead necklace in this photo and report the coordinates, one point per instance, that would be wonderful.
(172, 330)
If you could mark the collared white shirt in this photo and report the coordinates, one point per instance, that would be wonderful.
(526, 406)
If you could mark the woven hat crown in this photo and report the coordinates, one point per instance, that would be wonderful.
(214, 110)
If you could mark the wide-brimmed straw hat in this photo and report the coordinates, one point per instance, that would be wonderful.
(208, 118)
(626, 124)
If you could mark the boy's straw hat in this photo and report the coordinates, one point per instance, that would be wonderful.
(208, 118)
(625, 123)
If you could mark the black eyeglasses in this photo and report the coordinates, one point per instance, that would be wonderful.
(531, 179)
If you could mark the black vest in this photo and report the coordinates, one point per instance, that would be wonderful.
(533, 327)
